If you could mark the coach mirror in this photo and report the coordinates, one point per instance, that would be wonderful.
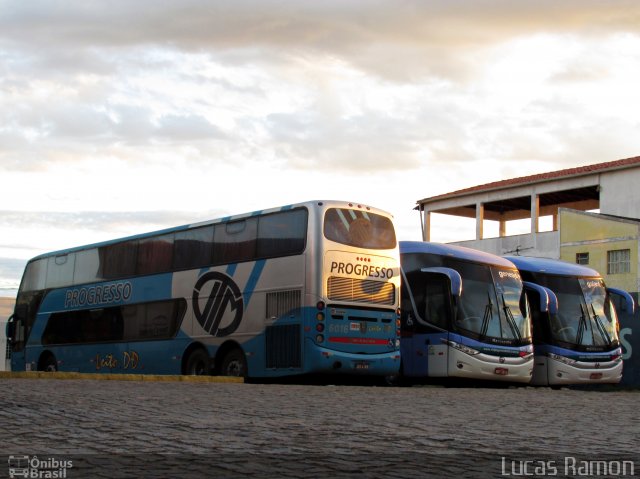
(14, 328)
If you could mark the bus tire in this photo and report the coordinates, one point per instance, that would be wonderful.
(48, 363)
(197, 363)
(234, 364)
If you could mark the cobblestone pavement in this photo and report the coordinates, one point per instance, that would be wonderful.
(182, 429)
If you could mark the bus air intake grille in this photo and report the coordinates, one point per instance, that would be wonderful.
(283, 346)
(361, 290)
(283, 303)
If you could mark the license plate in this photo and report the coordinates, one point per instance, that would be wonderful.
(595, 376)
(361, 366)
(501, 371)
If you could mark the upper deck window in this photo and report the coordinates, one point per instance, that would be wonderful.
(359, 228)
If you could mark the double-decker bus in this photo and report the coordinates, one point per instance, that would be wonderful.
(576, 337)
(305, 288)
(464, 315)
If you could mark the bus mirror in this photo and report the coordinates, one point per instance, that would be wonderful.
(20, 312)
(454, 278)
(10, 329)
(548, 299)
(628, 304)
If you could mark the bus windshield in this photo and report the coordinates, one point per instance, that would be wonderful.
(586, 316)
(359, 228)
(492, 305)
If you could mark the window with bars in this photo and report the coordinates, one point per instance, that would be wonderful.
(619, 261)
(582, 258)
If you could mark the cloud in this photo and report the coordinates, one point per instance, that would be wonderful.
(134, 221)
(388, 38)
(355, 87)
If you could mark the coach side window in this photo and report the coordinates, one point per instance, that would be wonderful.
(118, 260)
(192, 248)
(155, 255)
(282, 234)
(235, 241)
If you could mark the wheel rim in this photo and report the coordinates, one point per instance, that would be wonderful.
(235, 367)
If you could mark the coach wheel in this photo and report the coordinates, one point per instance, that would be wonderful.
(48, 363)
(234, 364)
(197, 363)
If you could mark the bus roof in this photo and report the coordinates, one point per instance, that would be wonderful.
(334, 203)
(551, 266)
(453, 251)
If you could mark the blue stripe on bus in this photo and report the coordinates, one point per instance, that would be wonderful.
(253, 279)
(231, 269)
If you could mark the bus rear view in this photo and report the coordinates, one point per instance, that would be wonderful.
(576, 333)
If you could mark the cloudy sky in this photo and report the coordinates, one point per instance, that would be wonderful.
(127, 116)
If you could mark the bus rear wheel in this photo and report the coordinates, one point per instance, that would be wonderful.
(197, 364)
(234, 364)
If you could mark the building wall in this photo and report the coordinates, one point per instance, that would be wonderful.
(619, 194)
(591, 233)
(546, 245)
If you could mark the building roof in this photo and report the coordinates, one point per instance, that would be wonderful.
(541, 177)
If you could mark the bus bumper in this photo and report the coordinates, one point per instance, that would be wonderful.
(324, 360)
(559, 374)
(490, 368)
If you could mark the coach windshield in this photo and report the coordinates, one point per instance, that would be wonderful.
(491, 306)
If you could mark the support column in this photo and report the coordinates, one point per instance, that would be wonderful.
(426, 229)
(535, 212)
(502, 231)
(479, 220)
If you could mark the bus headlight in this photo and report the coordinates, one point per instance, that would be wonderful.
(319, 338)
(463, 348)
(562, 359)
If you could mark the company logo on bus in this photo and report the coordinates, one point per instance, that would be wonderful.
(360, 269)
(508, 274)
(217, 303)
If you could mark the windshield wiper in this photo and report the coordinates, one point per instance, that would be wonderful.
(582, 325)
(601, 329)
(511, 320)
(488, 311)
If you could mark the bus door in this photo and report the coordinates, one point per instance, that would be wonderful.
(544, 306)
(427, 346)
(441, 284)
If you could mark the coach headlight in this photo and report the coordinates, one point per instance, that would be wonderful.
(462, 347)
(562, 359)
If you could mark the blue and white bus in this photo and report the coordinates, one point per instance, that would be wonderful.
(464, 314)
(305, 288)
(576, 336)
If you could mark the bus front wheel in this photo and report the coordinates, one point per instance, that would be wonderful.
(197, 363)
(234, 364)
(48, 363)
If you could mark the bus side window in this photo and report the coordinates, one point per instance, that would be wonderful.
(235, 242)
(436, 294)
(118, 260)
(192, 248)
(155, 255)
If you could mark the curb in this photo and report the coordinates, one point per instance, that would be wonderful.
(118, 377)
